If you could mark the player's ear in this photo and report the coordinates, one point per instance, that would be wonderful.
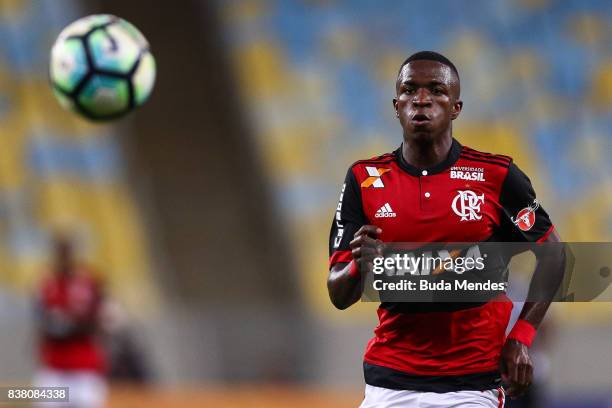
(456, 110)
(395, 107)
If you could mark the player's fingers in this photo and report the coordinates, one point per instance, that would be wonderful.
(503, 367)
(521, 375)
(508, 370)
(505, 373)
(369, 230)
(529, 374)
(380, 247)
(364, 252)
(358, 242)
(522, 380)
(514, 372)
(363, 240)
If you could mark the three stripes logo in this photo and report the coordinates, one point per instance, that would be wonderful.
(385, 212)
(374, 180)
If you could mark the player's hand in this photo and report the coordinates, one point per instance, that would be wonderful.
(366, 246)
(516, 368)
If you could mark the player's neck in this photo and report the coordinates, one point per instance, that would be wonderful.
(65, 270)
(426, 153)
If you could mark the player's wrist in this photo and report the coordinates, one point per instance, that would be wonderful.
(523, 332)
(353, 271)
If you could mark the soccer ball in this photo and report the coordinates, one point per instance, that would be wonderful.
(101, 67)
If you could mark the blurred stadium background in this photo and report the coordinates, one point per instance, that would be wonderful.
(207, 212)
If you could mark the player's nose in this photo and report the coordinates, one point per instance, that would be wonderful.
(421, 97)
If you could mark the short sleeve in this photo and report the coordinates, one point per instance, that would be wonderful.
(523, 217)
(348, 218)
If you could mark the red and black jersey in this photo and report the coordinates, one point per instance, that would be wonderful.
(76, 298)
(469, 197)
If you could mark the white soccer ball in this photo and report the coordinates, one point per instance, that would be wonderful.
(101, 67)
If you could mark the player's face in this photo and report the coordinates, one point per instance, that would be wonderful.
(427, 99)
(63, 255)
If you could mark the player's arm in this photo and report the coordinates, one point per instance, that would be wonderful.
(344, 282)
(518, 194)
(517, 367)
(351, 244)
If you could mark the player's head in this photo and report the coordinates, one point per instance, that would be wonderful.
(63, 254)
(427, 95)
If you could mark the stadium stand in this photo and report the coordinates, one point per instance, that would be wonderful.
(57, 171)
(318, 77)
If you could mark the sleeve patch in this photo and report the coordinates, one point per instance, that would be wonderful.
(526, 218)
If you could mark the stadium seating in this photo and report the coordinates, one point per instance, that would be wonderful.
(536, 75)
(57, 171)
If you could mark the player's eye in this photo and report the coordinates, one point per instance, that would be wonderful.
(438, 91)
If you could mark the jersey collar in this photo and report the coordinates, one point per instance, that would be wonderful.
(453, 156)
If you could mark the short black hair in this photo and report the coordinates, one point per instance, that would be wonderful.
(430, 56)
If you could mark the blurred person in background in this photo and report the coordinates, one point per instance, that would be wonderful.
(433, 189)
(68, 306)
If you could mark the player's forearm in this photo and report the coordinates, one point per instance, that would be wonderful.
(546, 280)
(534, 312)
(343, 287)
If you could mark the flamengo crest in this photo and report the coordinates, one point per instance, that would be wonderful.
(467, 205)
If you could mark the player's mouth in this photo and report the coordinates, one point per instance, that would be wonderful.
(420, 119)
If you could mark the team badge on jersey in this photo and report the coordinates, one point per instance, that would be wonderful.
(466, 205)
(526, 217)
(375, 177)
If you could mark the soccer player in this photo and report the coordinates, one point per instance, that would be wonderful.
(433, 189)
(68, 307)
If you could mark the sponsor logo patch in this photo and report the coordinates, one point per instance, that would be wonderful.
(385, 212)
(526, 217)
(375, 177)
(467, 173)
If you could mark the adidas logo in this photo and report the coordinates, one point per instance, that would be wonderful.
(385, 212)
